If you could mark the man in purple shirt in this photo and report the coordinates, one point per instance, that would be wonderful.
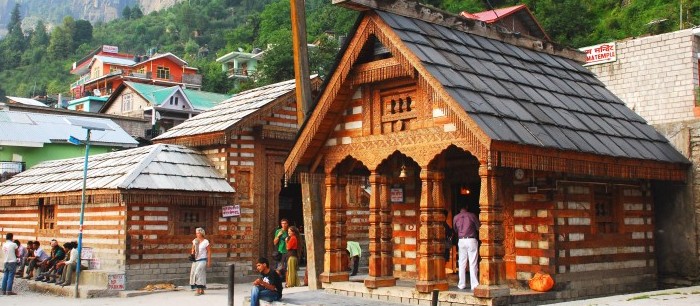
(466, 225)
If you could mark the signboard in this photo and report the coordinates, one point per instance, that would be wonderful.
(396, 194)
(116, 281)
(110, 49)
(231, 211)
(86, 253)
(598, 54)
(94, 264)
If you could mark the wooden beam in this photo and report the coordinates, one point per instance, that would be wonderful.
(301, 60)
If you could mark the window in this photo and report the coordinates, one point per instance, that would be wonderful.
(79, 107)
(173, 100)
(604, 212)
(47, 218)
(163, 73)
(190, 219)
(127, 102)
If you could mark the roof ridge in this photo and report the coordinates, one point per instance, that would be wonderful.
(141, 166)
(416, 10)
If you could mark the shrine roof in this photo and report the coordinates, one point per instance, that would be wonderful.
(522, 96)
(231, 111)
(155, 167)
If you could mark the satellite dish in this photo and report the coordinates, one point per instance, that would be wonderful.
(240, 49)
(96, 92)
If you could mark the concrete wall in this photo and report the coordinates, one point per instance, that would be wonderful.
(656, 75)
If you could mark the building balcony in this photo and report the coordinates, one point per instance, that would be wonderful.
(9, 168)
(241, 73)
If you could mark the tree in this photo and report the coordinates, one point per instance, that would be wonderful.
(126, 12)
(15, 19)
(278, 62)
(82, 33)
(40, 38)
(61, 42)
(136, 12)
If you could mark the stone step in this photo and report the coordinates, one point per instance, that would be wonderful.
(84, 291)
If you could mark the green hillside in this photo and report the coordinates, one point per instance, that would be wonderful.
(38, 63)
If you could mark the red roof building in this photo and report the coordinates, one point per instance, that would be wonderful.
(104, 69)
(515, 18)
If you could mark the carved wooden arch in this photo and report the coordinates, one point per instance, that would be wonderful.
(432, 165)
(334, 165)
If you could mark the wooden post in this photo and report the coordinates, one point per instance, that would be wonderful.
(431, 267)
(311, 200)
(492, 270)
(301, 60)
(313, 223)
(379, 276)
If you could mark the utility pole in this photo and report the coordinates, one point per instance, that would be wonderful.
(312, 207)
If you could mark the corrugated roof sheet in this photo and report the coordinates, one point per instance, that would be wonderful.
(115, 60)
(231, 111)
(155, 167)
(156, 95)
(527, 97)
(26, 101)
(20, 127)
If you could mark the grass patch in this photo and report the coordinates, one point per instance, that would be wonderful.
(639, 297)
(666, 293)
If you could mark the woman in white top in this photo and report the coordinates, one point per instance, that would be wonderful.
(202, 254)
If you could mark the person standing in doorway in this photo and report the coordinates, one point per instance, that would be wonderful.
(293, 257)
(466, 224)
(9, 248)
(280, 241)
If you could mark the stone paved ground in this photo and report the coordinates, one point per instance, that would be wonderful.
(301, 296)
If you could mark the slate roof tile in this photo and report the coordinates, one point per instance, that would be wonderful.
(527, 97)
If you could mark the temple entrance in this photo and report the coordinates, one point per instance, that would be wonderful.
(462, 187)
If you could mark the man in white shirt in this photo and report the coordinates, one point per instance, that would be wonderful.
(9, 248)
(39, 257)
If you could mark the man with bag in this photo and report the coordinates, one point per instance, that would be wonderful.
(280, 253)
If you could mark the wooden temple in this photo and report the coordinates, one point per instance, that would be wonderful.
(429, 112)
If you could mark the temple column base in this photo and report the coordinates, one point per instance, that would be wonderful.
(335, 277)
(493, 291)
(380, 281)
(429, 286)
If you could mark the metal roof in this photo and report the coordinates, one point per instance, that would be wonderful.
(26, 101)
(157, 95)
(155, 167)
(231, 111)
(526, 97)
(115, 60)
(36, 129)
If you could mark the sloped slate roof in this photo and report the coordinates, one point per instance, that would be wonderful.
(36, 129)
(231, 111)
(155, 167)
(525, 97)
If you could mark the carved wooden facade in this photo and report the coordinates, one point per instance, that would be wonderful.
(385, 116)
(249, 151)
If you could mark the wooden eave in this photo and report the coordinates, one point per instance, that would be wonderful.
(121, 197)
(339, 88)
(200, 140)
(512, 155)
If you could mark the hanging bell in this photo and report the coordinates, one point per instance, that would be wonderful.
(402, 174)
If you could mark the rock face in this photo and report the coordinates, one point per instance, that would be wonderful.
(53, 11)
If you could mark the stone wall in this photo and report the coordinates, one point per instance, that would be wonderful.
(655, 75)
(677, 237)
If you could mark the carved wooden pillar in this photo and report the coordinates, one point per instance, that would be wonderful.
(492, 270)
(387, 237)
(378, 275)
(334, 265)
(431, 263)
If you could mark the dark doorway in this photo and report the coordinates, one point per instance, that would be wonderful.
(290, 206)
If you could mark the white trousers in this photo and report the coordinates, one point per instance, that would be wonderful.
(468, 248)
